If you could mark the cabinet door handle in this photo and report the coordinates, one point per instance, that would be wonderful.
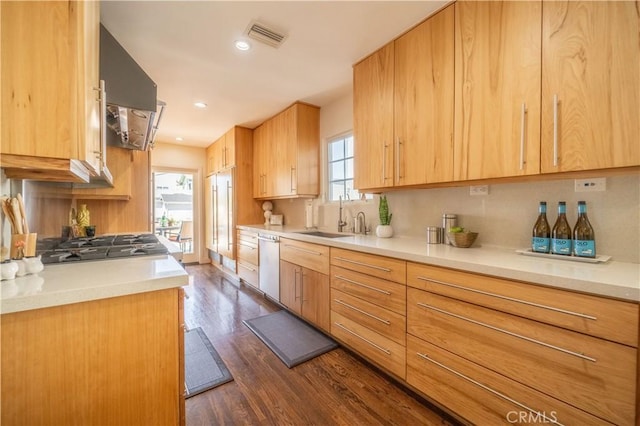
(292, 180)
(355, 262)
(511, 299)
(340, 277)
(245, 245)
(523, 114)
(229, 216)
(380, 348)
(295, 284)
(487, 388)
(382, 320)
(398, 153)
(384, 162)
(315, 253)
(555, 130)
(510, 333)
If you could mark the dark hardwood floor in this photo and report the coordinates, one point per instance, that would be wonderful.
(333, 389)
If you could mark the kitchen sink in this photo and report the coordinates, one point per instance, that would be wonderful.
(323, 234)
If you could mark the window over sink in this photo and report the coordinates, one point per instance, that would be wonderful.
(340, 168)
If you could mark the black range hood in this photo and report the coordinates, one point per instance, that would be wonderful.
(132, 104)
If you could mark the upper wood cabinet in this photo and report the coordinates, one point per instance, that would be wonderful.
(423, 102)
(287, 153)
(50, 90)
(497, 89)
(403, 108)
(221, 154)
(121, 164)
(590, 85)
(373, 119)
(229, 201)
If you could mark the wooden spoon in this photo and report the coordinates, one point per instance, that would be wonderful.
(17, 217)
(25, 225)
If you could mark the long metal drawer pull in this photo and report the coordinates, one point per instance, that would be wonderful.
(340, 277)
(380, 348)
(244, 245)
(555, 130)
(523, 114)
(246, 267)
(362, 312)
(511, 299)
(500, 330)
(487, 388)
(317, 253)
(380, 268)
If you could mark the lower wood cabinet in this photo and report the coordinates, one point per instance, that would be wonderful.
(586, 372)
(113, 361)
(481, 395)
(305, 292)
(248, 264)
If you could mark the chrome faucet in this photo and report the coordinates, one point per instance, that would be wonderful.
(360, 224)
(341, 223)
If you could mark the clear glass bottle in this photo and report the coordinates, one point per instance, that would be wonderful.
(540, 239)
(561, 232)
(584, 238)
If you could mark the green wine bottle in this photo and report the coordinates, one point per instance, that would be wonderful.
(584, 238)
(561, 232)
(540, 239)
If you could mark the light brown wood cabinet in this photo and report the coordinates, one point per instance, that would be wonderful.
(229, 200)
(121, 165)
(368, 306)
(221, 153)
(112, 361)
(287, 152)
(50, 52)
(590, 85)
(523, 333)
(248, 260)
(304, 280)
(497, 89)
(403, 108)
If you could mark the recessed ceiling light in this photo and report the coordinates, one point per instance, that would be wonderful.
(200, 105)
(179, 139)
(242, 45)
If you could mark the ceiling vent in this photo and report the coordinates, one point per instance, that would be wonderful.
(263, 34)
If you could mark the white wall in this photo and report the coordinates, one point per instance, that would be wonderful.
(169, 156)
(503, 218)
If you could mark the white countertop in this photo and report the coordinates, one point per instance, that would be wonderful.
(618, 280)
(66, 283)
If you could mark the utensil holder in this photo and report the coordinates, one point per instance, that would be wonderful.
(29, 248)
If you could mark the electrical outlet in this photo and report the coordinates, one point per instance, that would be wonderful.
(479, 190)
(591, 185)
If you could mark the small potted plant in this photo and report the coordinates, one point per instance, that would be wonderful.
(384, 230)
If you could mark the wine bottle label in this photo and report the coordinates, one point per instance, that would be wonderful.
(584, 248)
(560, 246)
(540, 245)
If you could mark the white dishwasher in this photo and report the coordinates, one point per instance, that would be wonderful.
(269, 265)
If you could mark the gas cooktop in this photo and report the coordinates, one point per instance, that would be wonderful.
(104, 247)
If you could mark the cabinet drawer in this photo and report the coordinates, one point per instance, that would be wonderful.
(247, 252)
(248, 272)
(382, 351)
(592, 374)
(371, 264)
(248, 237)
(380, 292)
(312, 256)
(609, 319)
(480, 395)
(383, 321)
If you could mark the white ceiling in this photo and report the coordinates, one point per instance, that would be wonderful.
(186, 47)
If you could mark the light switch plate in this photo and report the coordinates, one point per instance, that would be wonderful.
(591, 185)
(479, 190)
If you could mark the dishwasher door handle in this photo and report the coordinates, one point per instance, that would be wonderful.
(269, 240)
